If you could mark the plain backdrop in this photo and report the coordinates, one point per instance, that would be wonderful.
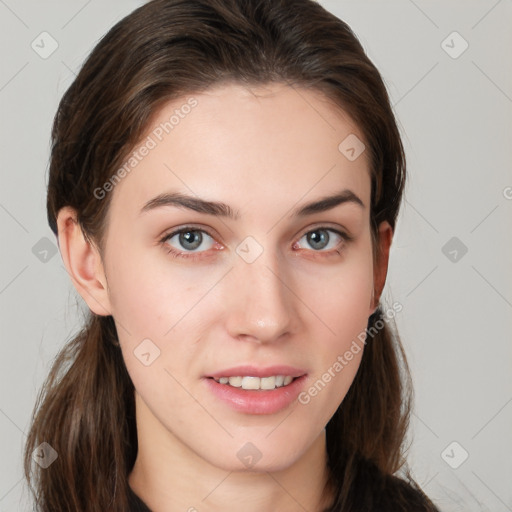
(448, 69)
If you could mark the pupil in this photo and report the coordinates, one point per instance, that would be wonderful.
(318, 239)
(193, 238)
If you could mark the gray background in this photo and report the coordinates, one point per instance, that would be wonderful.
(455, 112)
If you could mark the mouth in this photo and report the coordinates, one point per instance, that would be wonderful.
(249, 382)
(253, 390)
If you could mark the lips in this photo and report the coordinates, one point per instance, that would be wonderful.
(257, 401)
(254, 371)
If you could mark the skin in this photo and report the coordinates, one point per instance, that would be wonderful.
(264, 151)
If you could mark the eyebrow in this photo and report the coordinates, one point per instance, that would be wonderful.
(220, 209)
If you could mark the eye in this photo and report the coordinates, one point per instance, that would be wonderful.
(324, 239)
(191, 242)
(188, 240)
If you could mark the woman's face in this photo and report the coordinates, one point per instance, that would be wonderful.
(262, 282)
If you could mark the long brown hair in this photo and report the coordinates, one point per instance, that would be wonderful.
(165, 50)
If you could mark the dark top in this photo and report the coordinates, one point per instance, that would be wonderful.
(136, 504)
(384, 500)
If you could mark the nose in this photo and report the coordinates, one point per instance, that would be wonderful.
(261, 304)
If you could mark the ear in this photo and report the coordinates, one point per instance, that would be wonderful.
(83, 263)
(380, 270)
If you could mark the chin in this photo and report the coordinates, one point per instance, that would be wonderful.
(260, 456)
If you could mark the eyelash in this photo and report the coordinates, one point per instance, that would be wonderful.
(200, 254)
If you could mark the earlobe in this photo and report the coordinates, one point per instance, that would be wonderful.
(381, 266)
(83, 263)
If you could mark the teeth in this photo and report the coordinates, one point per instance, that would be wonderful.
(236, 382)
(248, 382)
(267, 382)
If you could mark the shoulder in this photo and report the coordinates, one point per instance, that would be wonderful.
(135, 503)
(373, 490)
(400, 494)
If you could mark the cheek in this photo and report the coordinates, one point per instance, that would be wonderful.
(150, 295)
(159, 316)
(341, 300)
(342, 305)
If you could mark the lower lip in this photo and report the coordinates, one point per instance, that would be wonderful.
(257, 401)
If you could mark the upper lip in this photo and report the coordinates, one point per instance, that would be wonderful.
(254, 371)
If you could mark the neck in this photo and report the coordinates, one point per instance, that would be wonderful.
(169, 477)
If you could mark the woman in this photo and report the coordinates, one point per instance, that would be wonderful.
(225, 180)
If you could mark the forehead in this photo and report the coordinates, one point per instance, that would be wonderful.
(246, 146)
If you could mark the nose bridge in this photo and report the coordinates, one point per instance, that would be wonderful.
(261, 303)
